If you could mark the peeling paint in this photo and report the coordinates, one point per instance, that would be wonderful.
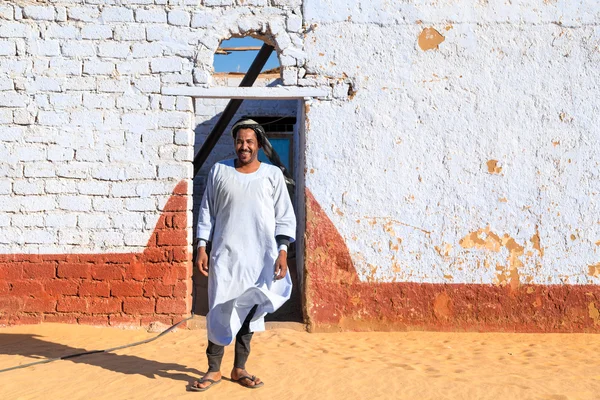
(457, 116)
(493, 167)
(564, 117)
(535, 241)
(445, 250)
(337, 300)
(430, 39)
(351, 91)
(336, 210)
(395, 221)
(442, 306)
(594, 313)
(481, 239)
(485, 239)
(458, 121)
(388, 227)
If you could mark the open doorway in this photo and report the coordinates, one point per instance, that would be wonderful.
(281, 120)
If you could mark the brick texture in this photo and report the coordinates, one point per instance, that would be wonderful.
(104, 289)
(90, 151)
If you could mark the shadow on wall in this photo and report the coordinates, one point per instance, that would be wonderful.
(33, 347)
(117, 289)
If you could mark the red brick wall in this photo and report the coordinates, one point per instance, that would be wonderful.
(124, 289)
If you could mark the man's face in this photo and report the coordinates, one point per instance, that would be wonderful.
(246, 146)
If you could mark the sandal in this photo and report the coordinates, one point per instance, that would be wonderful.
(250, 378)
(196, 388)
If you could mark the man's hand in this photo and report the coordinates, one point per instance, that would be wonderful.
(281, 266)
(202, 261)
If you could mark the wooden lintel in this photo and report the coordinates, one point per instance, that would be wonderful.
(221, 50)
(250, 93)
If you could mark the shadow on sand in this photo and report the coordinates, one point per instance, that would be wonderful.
(34, 347)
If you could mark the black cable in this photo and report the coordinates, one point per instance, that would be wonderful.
(272, 122)
(84, 353)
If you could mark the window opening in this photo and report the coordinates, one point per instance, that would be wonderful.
(235, 55)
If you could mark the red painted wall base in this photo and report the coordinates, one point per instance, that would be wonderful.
(337, 300)
(124, 289)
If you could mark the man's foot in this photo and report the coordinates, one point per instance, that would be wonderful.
(242, 377)
(208, 380)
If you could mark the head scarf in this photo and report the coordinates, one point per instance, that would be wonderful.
(261, 136)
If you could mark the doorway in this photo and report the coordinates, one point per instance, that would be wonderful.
(282, 121)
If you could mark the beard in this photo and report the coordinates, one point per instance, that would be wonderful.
(245, 157)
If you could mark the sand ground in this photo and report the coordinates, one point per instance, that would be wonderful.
(299, 365)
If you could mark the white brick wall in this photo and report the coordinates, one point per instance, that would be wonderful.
(8, 48)
(130, 33)
(39, 13)
(117, 14)
(62, 67)
(44, 47)
(76, 49)
(96, 67)
(166, 64)
(61, 186)
(96, 31)
(113, 50)
(179, 18)
(90, 150)
(84, 14)
(6, 11)
(151, 16)
(133, 67)
(11, 99)
(55, 31)
(6, 187)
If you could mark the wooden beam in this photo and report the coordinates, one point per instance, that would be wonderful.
(249, 93)
(229, 49)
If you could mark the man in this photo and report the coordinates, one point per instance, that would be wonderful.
(247, 216)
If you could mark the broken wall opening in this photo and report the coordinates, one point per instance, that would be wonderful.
(235, 55)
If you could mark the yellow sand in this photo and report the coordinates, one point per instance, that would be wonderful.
(298, 365)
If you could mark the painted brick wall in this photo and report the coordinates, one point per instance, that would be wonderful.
(450, 175)
(464, 160)
(92, 154)
(117, 289)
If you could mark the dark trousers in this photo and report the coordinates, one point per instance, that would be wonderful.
(215, 352)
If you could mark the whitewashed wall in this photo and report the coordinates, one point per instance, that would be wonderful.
(476, 162)
(90, 149)
(471, 163)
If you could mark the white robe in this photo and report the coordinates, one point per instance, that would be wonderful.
(241, 214)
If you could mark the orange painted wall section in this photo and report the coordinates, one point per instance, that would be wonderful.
(124, 289)
(337, 300)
